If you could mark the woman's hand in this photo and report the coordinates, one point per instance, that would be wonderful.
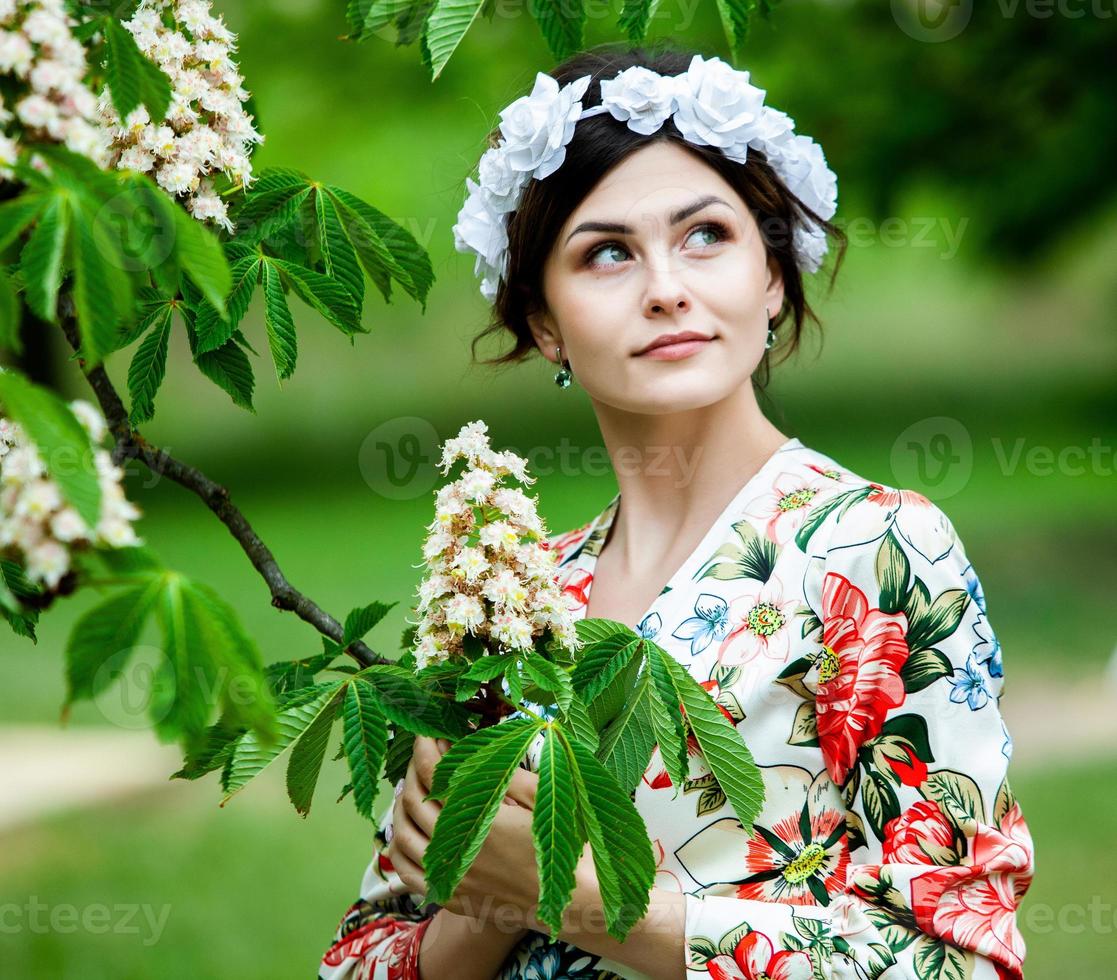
(502, 881)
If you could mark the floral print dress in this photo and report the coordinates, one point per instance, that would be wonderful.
(839, 624)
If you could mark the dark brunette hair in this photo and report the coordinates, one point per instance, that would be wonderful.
(599, 144)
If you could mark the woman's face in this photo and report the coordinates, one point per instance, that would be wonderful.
(622, 273)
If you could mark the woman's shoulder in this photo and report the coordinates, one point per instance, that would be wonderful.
(850, 509)
(568, 544)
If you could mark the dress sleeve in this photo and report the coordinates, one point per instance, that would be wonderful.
(379, 936)
(905, 680)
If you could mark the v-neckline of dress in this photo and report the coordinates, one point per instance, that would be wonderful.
(603, 523)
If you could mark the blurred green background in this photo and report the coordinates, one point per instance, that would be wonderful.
(975, 182)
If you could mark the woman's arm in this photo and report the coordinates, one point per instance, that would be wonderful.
(655, 945)
(388, 934)
(466, 948)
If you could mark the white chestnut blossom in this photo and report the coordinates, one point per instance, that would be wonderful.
(490, 571)
(711, 103)
(207, 130)
(38, 529)
(45, 96)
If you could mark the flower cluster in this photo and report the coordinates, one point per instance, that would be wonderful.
(45, 96)
(37, 527)
(711, 103)
(207, 129)
(491, 572)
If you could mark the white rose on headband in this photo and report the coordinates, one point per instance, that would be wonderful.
(804, 170)
(480, 229)
(503, 184)
(537, 127)
(810, 245)
(640, 97)
(718, 106)
(773, 126)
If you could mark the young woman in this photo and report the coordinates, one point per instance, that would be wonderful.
(646, 222)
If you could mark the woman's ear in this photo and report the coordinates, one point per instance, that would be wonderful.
(773, 290)
(543, 332)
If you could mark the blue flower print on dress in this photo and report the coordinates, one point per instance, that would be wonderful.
(710, 623)
(988, 648)
(970, 685)
(650, 625)
(539, 960)
(973, 587)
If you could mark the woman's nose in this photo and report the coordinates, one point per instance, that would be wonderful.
(665, 292)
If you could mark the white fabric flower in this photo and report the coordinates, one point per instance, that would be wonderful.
(480, 228)
(640, 97)
(501, 180)
(718, 106)
(537, 127)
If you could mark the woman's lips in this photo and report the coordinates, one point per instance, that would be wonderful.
(676, 351)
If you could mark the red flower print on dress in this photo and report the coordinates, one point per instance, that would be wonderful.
(400, 956)
(922, 834)
(663, 877)
(911, 515)
(796, 852)
(760, 622)
(910, 770)
(784, 507)
(562, 542)
(974, 906)
(859, 672)
(576, 586)
(753, 959)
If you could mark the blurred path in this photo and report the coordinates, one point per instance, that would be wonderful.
(44, 768)
(1053, 719)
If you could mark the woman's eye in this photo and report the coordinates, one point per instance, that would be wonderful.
(717, 230)
(713, 228)
(604, 249)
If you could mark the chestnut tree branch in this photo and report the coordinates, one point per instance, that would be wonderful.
(130, 444)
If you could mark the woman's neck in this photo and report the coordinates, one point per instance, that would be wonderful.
(676, 472)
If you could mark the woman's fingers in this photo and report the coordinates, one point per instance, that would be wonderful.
(409, 872)
(424, 757)
(423, 813)
(407, 836)
(522, 787)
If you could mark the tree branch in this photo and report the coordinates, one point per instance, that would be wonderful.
(130, 444)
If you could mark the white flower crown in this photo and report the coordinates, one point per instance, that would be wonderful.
(713, 104)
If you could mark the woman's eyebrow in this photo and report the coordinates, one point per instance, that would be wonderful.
(680, 215)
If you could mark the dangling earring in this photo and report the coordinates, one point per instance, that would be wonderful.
(771, 331)
(562, 378)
